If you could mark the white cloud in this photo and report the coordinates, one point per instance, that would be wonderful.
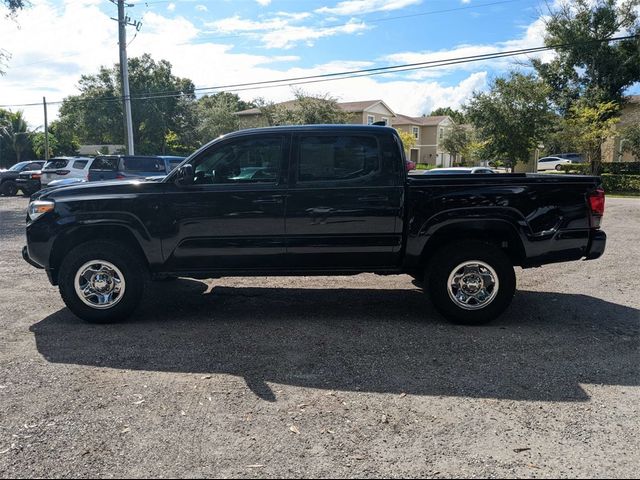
(466, 2)
(202, 8)
(281, 32)
(357, 7)
(171, 7)
(264, 3)
(533, 37)
(55, 72)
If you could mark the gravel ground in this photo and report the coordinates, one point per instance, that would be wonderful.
(325, 377)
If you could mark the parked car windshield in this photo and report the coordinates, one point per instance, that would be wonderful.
(17, 166)
(141, 164)
(104, 163)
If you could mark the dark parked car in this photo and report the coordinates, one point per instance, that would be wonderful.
(331, 200)
(135, 166)
(8, 183)
(29, 181)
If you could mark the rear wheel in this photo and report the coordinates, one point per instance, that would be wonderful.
(9, 188)
(559, 168)
(102, 281)
(471, 282)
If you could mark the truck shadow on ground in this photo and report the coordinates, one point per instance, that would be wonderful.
(390, 341)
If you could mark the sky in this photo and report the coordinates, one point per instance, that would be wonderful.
(222, 42)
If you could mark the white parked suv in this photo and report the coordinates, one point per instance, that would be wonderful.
(552, 163)
(60, 168)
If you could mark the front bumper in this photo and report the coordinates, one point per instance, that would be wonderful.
(596, 245)
(28, 259)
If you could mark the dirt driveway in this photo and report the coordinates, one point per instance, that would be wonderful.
(325, 377)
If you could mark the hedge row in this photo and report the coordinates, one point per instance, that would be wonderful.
(629, 184)
(622, 168)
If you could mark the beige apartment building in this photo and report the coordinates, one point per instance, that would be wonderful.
(429, 133)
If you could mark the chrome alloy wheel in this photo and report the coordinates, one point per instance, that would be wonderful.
(99, 284)
(473, 285)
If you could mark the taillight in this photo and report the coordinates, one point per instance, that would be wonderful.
(35, 176)
(120, 176)
(62, 172)
(596, 205)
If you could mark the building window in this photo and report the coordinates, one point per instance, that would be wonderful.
(370, 119)
(386, 121)
(441, 133)
(416, 133)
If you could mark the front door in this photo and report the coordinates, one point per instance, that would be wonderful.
(232, 217)
(344, 207)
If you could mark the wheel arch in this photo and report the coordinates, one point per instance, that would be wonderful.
(83, 234)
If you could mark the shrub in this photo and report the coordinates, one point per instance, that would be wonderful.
(621, 183)
(627, 168)
(580, 168)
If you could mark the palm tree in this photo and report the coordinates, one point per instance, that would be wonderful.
(16, 133)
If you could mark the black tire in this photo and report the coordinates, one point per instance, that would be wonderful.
(9, 188)
(445, 262)
(558, 168)
(130, 265)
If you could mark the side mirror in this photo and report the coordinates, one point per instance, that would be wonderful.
(185, 175)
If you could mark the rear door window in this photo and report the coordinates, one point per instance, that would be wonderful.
(34, 166)
(105, 163)
(337, 158)
(142, 164)
(80, 164)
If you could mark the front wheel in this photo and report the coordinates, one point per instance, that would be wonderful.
(9, 189)
(102, 281)
(471, 282)
(558, 168)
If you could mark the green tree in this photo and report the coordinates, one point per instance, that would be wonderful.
(15, 133)
(408, 140)
(456, 115)
(216, 115)
(66, 137)
(631, 140)
(161, 102)
(304, 110)
(512, 117)
(37, 141)
(590, 68)
(456, 141)
(590, 126)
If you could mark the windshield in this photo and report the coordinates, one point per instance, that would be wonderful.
(17, 166)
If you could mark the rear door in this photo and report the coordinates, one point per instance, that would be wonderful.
(344, 207)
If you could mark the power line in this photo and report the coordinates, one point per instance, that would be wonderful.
(339, 75)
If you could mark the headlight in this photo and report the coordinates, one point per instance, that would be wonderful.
(38, 208)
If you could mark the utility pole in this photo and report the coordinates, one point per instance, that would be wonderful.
(46, 130)
(123, 21)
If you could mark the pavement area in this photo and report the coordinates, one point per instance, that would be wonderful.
(325, 376)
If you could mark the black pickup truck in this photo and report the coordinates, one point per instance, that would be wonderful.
(311, 200)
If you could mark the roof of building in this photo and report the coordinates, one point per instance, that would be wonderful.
(421, 121)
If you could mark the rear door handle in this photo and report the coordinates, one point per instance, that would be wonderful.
(374, 198)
